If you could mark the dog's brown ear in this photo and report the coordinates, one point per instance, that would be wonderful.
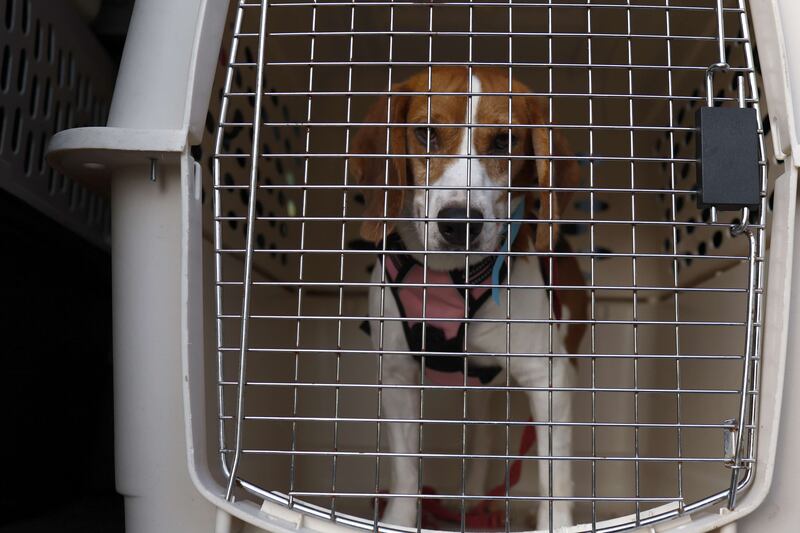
(382, 203)
(565, 173)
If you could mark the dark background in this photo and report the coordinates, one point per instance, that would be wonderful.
(57, 431)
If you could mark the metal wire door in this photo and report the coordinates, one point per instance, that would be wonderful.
(664, 403)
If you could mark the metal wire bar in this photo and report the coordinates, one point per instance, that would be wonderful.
(500, 64)
(431, 92)
(498, 220)
(382, 260)
(426, 232)
(289, 187)
(721, 32)
(218, 293)
(299, 316)
(566, 126)
(302, 256)
(465, 346)
(675, 266)
(592, 280)
(633, 288)
(464, 388)
(486, 157)
(248, 264)
(323, 351)
(743, 229)
(755, 372)
(454, 497)
(550, 259)
(487, 422)
(507, 332)
(598, 255)
(634, 295)
(456, 457)
(342, 243)
(495, 34)
(515, 5)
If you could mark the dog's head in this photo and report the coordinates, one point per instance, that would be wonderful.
(467, 175)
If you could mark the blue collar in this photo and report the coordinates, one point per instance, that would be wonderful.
(517, 215)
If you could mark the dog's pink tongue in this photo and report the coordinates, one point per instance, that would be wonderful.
(440, 298)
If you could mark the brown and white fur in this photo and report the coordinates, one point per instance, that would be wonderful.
(448, 180)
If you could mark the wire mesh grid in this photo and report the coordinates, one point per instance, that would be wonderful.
(656, 301)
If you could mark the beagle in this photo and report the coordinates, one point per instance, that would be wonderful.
(440, 204)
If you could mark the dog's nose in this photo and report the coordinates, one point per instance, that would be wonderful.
(455, 231)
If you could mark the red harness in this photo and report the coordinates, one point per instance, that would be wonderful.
(481, 515)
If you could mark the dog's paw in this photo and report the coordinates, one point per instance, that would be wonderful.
(400, 512)
(562, 515)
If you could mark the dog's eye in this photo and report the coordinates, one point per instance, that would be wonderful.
(421, 134)
(500, 142)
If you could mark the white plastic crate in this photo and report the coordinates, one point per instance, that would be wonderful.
(54, 75)
(664, 361)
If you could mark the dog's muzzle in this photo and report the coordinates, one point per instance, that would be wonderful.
(459, 232)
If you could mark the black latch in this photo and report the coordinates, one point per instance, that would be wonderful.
(727, 146)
